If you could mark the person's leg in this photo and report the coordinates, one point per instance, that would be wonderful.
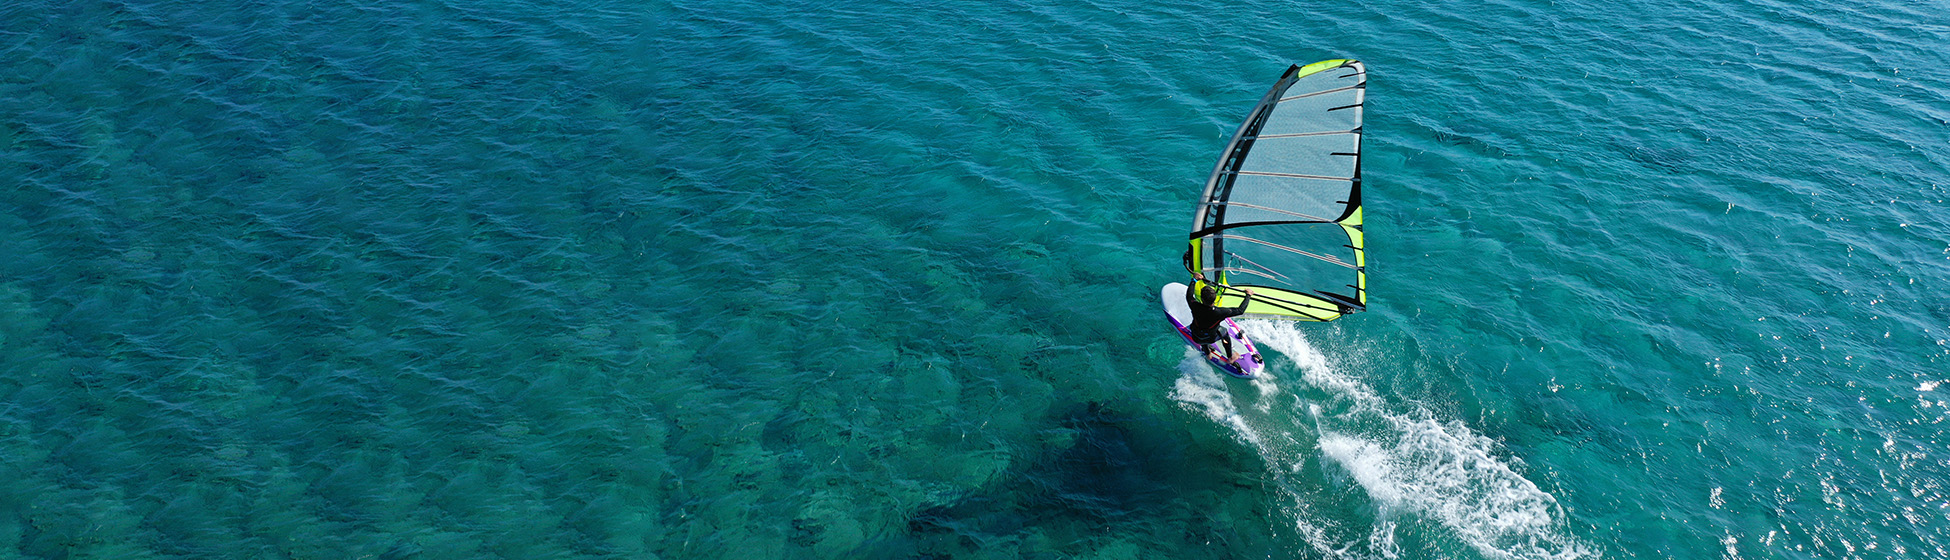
(1208, 344)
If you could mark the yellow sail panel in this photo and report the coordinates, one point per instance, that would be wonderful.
(1356, 241)
(1317, 67)
(1275, 303)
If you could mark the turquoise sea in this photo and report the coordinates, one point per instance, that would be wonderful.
(810, 279)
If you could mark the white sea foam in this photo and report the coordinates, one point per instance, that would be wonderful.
(1204, 390)
(1405, 459)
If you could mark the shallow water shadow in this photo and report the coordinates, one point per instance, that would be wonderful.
(1108, 479)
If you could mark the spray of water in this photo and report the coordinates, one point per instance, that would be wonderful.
(1408, 462)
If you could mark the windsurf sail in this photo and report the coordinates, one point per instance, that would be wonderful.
(1281, 213)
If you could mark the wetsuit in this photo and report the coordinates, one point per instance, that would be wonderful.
(1206, 318)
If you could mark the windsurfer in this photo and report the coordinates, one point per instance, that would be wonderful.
(1207, 316)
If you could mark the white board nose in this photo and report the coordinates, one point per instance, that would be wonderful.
(1173, 295)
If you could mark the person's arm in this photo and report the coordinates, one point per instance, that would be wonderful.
(1241, 309)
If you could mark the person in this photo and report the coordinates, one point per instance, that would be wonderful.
(1207, 316)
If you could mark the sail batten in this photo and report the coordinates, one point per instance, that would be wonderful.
(1301, 134)
(1293, 175)
(1276, 210)
(1323, 92)
(1286, 194)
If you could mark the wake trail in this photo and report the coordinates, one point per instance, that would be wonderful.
(1408, 462)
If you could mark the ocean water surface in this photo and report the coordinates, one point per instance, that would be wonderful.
(734, 279)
